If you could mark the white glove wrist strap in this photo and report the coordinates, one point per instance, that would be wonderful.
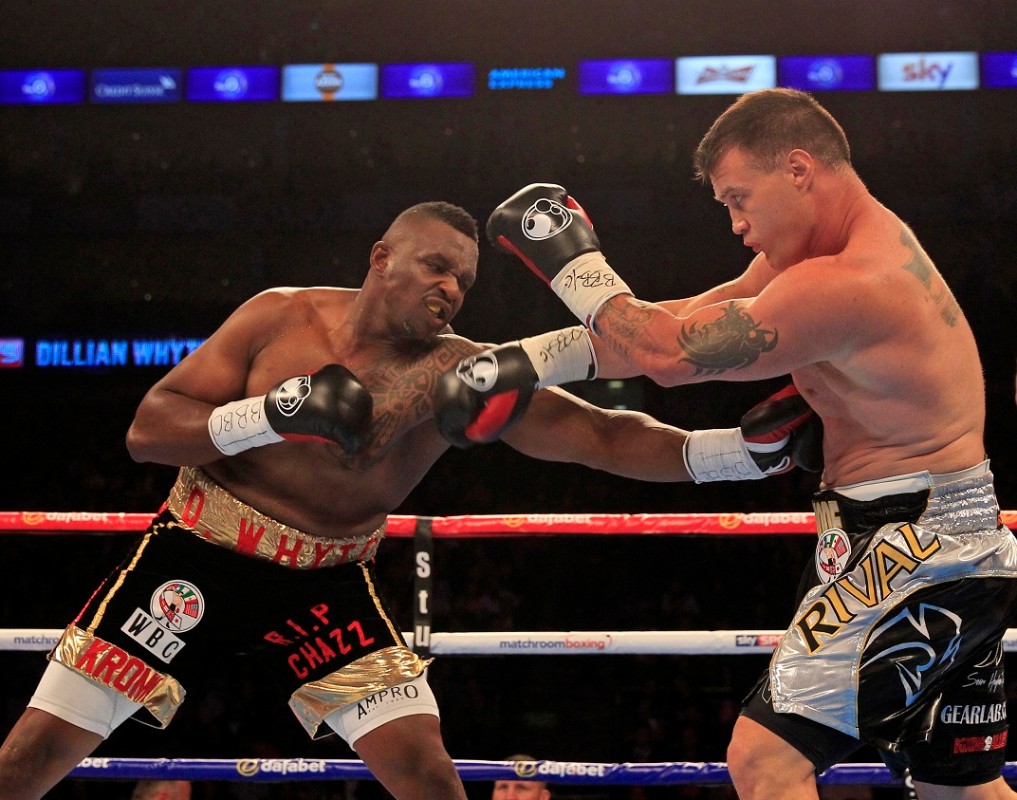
(241, 425)
(561, 356)
(719, 455)
(585, 284)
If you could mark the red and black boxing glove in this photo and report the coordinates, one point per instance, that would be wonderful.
(330, 406)
(543, 227)
(783, 432)
(774, 437)
(486, 394)
(550, 232)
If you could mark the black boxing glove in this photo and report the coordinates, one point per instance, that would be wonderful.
(485, 394)
(329, 406)
(784, 427)
(550, 232)
(775, 436)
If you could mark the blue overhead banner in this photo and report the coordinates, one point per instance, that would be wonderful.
(232, 84)
(626, 76)
(42, 86)
(427, 80)
(137, 85)
(827, 73)
(999, 70)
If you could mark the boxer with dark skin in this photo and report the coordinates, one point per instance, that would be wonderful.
(300, 425)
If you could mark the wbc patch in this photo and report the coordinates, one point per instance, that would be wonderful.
(832, 554)
(175, 607)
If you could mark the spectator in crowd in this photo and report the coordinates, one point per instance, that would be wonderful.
(523, 787)
(162, 790)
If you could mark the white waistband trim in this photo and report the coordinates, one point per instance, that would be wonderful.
(903, 484)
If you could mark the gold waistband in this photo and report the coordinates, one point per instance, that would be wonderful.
(202, 505)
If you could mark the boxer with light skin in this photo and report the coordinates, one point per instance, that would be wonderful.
(890, 644)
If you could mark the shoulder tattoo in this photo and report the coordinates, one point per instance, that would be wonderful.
(733, 341)
(920, 265)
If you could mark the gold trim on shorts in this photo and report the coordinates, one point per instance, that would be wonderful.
(210, 511)
(111, 666)
(379, 670)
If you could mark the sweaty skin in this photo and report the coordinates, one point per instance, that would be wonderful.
(840, 295)
(393, 334)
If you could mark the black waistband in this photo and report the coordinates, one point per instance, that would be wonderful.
(858, 516)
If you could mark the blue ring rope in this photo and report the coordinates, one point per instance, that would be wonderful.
(281, 770)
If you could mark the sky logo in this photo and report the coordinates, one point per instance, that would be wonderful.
(915, 72)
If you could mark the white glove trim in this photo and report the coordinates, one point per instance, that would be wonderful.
(561, 356)
(585, 284)
(241, 425)
(719, 455)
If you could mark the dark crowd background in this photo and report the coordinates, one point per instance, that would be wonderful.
(158, 220)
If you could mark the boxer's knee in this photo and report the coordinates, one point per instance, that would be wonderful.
(761, 764)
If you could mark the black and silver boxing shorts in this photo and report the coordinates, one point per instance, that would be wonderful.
(896, 640)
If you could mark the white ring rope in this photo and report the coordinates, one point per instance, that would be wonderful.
(549, 643)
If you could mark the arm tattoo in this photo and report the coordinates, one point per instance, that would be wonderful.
(733, 341)
(626, 322)
(921, 267)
